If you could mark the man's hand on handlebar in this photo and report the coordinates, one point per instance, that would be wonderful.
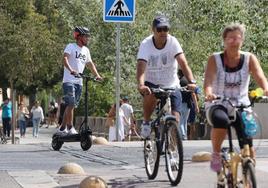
(210, 97)
(191, 87)
(144, 90)
(74, 73)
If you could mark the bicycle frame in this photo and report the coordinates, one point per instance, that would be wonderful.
(163, 114)
(233, 159)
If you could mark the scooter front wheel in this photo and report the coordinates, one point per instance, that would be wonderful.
(56, 144)
(86, 142)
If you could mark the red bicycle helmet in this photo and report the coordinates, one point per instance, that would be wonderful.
(80, 31)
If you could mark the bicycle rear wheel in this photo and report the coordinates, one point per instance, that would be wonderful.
(173, 153)
(151, 155)
(249, 180)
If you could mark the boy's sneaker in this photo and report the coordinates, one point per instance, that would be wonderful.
(62, 131)
(145, 130)
(215, 163)
(72, 131)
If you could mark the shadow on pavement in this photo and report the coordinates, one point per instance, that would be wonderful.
(134, 183)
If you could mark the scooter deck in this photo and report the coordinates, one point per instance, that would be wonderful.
(69, 138)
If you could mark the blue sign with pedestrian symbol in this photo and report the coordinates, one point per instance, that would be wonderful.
(119, 10)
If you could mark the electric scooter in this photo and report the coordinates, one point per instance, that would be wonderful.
(84, 135)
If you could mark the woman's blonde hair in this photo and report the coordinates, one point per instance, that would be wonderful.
(234, 27)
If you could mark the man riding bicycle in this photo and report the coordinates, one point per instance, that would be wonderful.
(158, 58)
(228, 75)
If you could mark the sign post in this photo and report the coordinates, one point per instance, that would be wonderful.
(119, 11)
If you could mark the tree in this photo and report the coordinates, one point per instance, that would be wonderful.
(31, 59)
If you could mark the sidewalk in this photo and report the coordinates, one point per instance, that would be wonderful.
(45, 135)
(26, 178)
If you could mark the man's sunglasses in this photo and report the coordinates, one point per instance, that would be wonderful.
(160, 29)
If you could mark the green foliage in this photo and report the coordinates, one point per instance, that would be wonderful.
(30, 55)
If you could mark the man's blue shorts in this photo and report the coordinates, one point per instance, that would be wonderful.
(176, 103)
(72, 93)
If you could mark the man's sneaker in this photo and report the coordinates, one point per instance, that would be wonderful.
(215, 163)
(62, 131)
(145, 131)
(72, 131)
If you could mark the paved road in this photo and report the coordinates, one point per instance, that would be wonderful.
(33, 164)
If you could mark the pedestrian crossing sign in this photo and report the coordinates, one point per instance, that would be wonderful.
(119, 10)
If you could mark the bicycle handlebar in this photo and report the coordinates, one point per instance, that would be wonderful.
(169, 90)
(241, 106)
(186, 89)
(162, 90)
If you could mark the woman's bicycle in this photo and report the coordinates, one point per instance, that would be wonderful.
(238, 168)
(165, 138)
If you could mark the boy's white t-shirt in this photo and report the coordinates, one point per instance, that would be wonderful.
(161, 65)
(79, 57)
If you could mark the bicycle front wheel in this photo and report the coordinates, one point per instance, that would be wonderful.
(249, 180)
(151, 155)
(173, 153)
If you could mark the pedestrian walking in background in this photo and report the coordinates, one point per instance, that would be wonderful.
(37, 117)
(188, 101)
(192, 115)
(6, 116)
(121, 121)
(110, 122)
(129, 115)
(22, 116)
(52, 113)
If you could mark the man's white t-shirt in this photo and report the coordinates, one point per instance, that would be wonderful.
(128, 110)
(79, 57)
(161, 65)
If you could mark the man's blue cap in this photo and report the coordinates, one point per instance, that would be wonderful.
(161, 21)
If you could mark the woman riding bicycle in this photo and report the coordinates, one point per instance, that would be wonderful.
(228, 75)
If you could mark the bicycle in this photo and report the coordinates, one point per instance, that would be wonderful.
(165, 136)
(232, 160)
